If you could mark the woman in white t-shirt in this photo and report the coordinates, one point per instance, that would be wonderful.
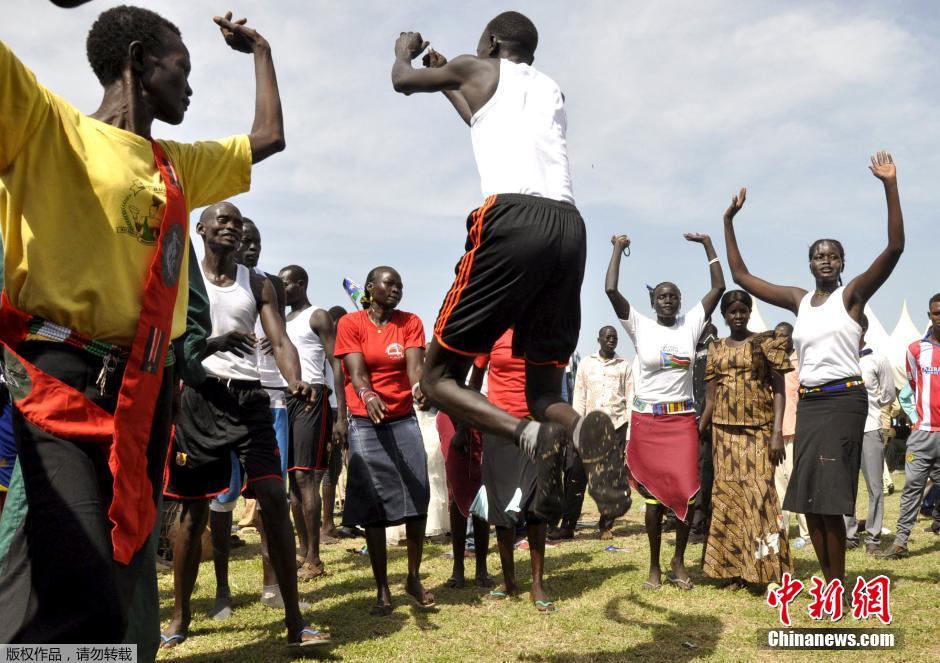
(830, 416)
(663, 451)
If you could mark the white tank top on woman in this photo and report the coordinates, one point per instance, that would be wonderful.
(826, 339)
(309, 346)
(232, 308)
(519, 136)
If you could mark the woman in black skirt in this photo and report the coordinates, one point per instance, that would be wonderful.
(831, 412)
(387, 484)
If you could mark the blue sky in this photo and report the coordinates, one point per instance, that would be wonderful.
(671, 107)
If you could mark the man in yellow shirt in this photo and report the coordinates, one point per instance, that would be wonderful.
(93, 213)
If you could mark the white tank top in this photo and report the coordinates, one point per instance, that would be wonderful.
(267, 366)
(519, 136)
(826, 340)
(232, 308)
(309, 346)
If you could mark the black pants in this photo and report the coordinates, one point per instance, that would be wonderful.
(60, 582)
(575, 482)
(706, 468)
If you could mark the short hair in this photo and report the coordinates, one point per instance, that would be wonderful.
(605, 328)
(836, 243)
(366, 300)
(733, 297)
(935, 298)
(516, 30)
(785, 324)
(297, 271)
(209, 212)
(337, 312)
(114, 31)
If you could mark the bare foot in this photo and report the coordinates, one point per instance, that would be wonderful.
(678, 569)
(456, 581)
(505, 592)
(383, 603)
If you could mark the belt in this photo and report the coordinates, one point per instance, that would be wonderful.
(675, 407)
(832, 386)
(232, 383)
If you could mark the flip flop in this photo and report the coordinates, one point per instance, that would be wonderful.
(685, 585)
(427, 605)
(380, 610)
(649, 586)
(545, 607)
(310, 571)
(171, 641)
(498, 595)
(315, 637)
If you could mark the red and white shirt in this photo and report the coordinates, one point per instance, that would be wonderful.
(923, 372)
(506, 380)
(383, 349)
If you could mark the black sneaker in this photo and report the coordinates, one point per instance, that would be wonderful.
(604, 464)
(549, 501)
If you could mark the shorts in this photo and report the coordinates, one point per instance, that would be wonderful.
(331, 478)
(215, 419)
(523, 268)
(311, 434)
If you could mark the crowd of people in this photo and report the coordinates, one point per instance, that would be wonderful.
(143, 375)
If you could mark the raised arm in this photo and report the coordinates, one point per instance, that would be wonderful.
(783, 296)
(611, 281)
(433, 59)
(322, 326)
(710, 300)
(267, 131)
(862, 287)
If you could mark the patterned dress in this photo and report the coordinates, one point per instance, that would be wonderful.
(745, 538)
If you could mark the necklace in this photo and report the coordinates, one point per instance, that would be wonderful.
(378, 325)
(824, 292)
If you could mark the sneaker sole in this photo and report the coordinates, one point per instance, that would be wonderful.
(550, 465)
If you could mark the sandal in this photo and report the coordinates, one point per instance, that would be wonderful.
(300, 561)
(309, 637)
(649, 586)
(545, 607)
(499, 595)
(685, 585)
(309, 572)
(171, 641)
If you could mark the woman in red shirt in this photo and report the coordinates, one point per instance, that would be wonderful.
(382, 351)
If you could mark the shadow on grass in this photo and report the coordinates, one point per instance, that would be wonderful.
(674, 636)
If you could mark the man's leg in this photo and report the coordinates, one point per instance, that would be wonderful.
(703, 505)
(481, 547)
(297, 511)
(328, 531)
(575, 483)
(916, 470)
(458, 533)
(220, 526)
(505, 541)
(873, 462)
(186, 555)
(536, 535)
(280, 543)
(308, 483)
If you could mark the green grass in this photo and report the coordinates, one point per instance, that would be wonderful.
(603, 613)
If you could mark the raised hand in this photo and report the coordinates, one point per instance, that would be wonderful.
(698, 238)
(882, 167)
(620, 242)
(737, 202)
(409, 45)
(432, 59)
(238, 36)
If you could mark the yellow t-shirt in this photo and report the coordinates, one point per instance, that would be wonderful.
(79, 203)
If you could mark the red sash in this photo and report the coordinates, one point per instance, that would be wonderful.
(62, 411)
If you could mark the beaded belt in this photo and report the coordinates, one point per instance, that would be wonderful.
(839, 386)
(676, 407)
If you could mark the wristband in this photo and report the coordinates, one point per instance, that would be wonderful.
(713, 261)
(415, 388)
(365, 393)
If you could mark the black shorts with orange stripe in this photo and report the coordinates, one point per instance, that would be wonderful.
(523, 268)
(311, 433)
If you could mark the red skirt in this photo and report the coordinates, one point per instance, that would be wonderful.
(662, 456)
(463, 467)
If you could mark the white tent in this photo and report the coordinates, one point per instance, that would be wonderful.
(757, 323)
(877, 338)
(905, 332)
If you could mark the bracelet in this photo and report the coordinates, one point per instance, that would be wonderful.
(365, 393)
(713, 261)
(626, 251)
(415, 388)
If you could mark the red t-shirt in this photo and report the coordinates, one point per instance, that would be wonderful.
(506, 380)
(384, 352)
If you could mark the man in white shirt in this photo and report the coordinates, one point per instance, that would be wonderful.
(604, 382)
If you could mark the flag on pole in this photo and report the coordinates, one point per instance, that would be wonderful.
(354, 291)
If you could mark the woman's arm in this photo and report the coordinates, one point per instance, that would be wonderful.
(619, 302)
(783, 296)
(706, 419)
(862, 287)
(361, 380)
(414, 365)
(710, 300)
(776, 451)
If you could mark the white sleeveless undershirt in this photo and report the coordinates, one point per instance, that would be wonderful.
(519, 136)
(232, 308)
(826, 339)
(309, 346)
(267, 367)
